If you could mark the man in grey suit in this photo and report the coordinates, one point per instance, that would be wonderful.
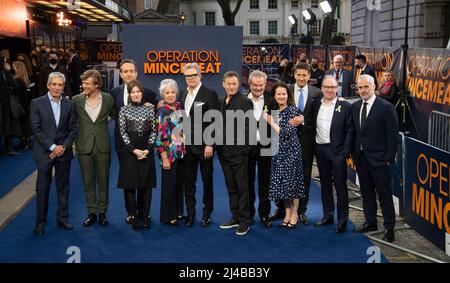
(344, 78)
(53, 122)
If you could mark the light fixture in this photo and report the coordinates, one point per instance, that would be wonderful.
(62, 21)
(308, 16)
(292, 19)
(182, 17)
(325, 7)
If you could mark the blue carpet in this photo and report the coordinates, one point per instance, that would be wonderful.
(13, 169)
(163, 244)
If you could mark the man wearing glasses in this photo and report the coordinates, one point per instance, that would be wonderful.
(195, 100)
(334, 137)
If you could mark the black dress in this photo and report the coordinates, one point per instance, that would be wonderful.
(137, 129)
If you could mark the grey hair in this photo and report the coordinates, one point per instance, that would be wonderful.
(192, 65)
(330, 77)
(257, 73)
(167, 83)
(368, 78)
(338, 56)
(54, 75)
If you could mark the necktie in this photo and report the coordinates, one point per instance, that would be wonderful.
(337, 75)
(301, 101)
(364, 115)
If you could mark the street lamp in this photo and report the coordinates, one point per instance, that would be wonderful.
(262, 54)
(62, 22)
(182, 18)
(326, 10)
(293, 20)
(309, 18)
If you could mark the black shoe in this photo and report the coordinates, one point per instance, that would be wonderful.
(341, 227)
(241, 230)
(173, 223)
(206, 221)
(146, 223)
(64, 225)
(135, 223)
(102, 221)
(128, 218)
(39, 229)
(91, 219)
(266, 222)
(291, 226)
(230, 224)
(389, 235)
(366, 228)
(324, 221)
(303, 219)
(190, 221)
(181, 217)
(278, 214)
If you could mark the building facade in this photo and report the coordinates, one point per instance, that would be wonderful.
(383, 23)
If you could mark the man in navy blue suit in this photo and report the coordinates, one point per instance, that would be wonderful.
(128, 72)
(376, 130)
(54, 125)
(334, 137)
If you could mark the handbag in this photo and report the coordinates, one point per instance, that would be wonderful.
(16, 108)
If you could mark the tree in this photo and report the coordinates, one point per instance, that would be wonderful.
(227, 14)
(328, 23)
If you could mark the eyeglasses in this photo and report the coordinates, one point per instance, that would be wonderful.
(330, 87)
(190, 76)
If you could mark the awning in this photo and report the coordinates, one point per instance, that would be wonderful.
(89, 10)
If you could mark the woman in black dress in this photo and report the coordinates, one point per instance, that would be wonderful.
(137, 164)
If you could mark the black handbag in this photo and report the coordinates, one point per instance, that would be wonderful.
(16, 108)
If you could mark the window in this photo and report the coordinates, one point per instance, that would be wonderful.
(254, 27)
(194, 18)
(210, 18)
(294, 4)
(254, 4)
(272, 27)
(273, 4)
(315, 28)
(147, 4)
(314, 4)
(335, 26)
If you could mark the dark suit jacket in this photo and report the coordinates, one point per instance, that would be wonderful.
(117, 93)
(75, 69)
(379, 135)
(45, 131)
(206, 99)
(237, 102)
(369, 71)
(89, 131)
(307, 132)
(346, 81)
(44, 71)
(341, 130)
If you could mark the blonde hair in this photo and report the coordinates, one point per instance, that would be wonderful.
(21, 72)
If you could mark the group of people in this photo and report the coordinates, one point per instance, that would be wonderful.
(294, 123)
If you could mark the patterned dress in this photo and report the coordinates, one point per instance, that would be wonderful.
(137, 129)
(286, 179)
(170, 138)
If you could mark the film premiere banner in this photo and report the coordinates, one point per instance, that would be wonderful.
(161, 52)
(254, 57)
(427, 192)
(428, 77)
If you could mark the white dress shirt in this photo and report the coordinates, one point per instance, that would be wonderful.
(324, 118)
(125, 95)
(190, 97)
(258, 105)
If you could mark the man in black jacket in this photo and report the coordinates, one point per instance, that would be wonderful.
(75, 69)
(361, 63)
(234, 152)
(196, 100)
(50, 67)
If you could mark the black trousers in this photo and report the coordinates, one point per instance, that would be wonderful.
(191, 162)
(144, 196)
(140, 202)
(263, 163)
(235, 171)
(376, 180)
(171, 192)
(332, 171)
(43, 182)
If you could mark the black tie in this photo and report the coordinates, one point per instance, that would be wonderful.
(364, 115)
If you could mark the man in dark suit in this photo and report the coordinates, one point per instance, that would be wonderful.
(305, 96)
(93, 147)
(261, 100)
(52, 66)
(334, 137)
(75, 69)
(361, 63)
(54, 125)
(196, 100)
(344, 78)
(376, 130)
(234, 152)
(128, 72)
